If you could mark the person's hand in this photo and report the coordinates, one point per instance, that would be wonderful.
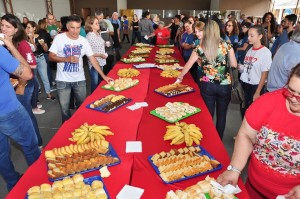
(255, 96)
(228, 177)
(294, 193)
(7, 42)
(72, 59)
(108, 79)
(179, 78)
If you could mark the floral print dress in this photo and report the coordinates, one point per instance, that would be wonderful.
(218, 70)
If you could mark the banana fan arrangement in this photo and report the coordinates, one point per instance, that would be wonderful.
(183, 132)
(89, 133)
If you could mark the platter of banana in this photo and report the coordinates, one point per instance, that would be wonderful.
(182, 132)
(128, 72)
(89, 133)
(170, 73)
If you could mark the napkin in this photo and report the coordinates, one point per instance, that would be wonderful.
(130, 192)
(229, 189)
(280, 197)
(133, 146)
(146, 37)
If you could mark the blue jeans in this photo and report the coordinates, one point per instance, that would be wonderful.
(35, 94)
(95, 78)
(17, 126)
(42, 69)
(64, 93)
(216, 96)
(25, 100)
(49, 71)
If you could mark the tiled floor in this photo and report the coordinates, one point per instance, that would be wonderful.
(49, 123)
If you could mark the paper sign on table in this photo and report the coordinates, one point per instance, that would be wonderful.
(133, 107)
(133, 146)
(142, 104)
(130, 192)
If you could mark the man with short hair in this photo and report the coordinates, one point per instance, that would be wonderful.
(51, 25)
(174, 27)
(68, 49)
(15, 122)
(284, 60)
(145, 27)
(105, 26)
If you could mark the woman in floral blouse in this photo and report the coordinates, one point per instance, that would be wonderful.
(98, 46)
(270, 133)
(215, 81)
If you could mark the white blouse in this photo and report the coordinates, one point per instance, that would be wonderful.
(98, 46)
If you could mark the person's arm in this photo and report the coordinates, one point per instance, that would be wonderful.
(269, 31)
(168, 26)
(243, 48)
(294, 193)
(98, 69)
(54, 58)
(188, 65)
(243, 147)
(232, 59)
(263, 78)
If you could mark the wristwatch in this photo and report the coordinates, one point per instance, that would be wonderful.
(232, 168)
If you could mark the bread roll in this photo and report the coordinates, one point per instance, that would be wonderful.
(46, 194)
(77, 193)
(34, 196)
(34, 189)
(46, 188)
(67, 181)
(57, 184)
(97, 184)
(79, 185)
(57, 196)
(77, 178)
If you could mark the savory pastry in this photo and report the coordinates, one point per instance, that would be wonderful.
(34, 196)
(96, 184)
(67, 181)
(104, 172)
(77, 178)
(35, 189)
(45, 188)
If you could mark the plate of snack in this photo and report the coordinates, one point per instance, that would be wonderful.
(165, 51)
(109, 103)
(170, 73)
(133, 60)
(121, 84)
(165, 46)
(184, 163)
(166, 60)
(205, 189)
(141, 51)
(71, 187)
(141, 44)
(79, 158)
(144, 65)
(170, 67)
(174, 112)
(172, 90)
(163, 56)
(128, 72)
(138, 55)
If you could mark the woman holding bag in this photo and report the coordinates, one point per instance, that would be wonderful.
(254, 71)
(215, 81)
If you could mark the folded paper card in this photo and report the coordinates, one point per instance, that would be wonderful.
(133, 146)
(130, 192)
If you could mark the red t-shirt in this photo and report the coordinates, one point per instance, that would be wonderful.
(160, 34)
(25, 50)
(274, 167)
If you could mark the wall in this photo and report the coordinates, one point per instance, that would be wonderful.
(2, 10)
(121, 4)
(61, 8)
(169, 4)
(249, 8)
(215, 5)
(110, 4)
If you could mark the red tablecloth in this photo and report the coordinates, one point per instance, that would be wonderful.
(129, 126)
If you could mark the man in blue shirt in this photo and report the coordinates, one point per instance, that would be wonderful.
(284, 60)
(15, 122)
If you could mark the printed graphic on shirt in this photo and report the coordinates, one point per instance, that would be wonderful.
(249, 62)
(29, 58)
(72, 50)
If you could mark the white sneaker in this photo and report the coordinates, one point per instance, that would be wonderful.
(38, 111)
(39, 106)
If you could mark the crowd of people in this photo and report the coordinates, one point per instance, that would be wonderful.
(266, 56)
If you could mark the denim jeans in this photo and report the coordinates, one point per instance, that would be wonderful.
(49, 71)
(95, 78)
(64, 93)
(42, 69)
(35, 94)
(25, 100)
(17, 126)
(217, 96)
(135, 34)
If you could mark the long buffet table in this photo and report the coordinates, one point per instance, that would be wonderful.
(135, 125)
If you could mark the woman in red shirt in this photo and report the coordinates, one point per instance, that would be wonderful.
(270, 136)
(162, 34)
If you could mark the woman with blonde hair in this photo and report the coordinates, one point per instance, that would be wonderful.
(215, 83)
(98, 46)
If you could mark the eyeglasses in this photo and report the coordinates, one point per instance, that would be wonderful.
(289, 94)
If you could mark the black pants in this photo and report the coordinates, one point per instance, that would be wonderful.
(125, 35)
(216, 96)
(136, 34)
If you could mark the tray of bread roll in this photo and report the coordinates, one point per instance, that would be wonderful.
(184, 163)
(82, 158)
(71, 187)
(109, 103)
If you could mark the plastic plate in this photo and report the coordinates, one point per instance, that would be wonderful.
(100, 108)
(112, 89)
(153, 112)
